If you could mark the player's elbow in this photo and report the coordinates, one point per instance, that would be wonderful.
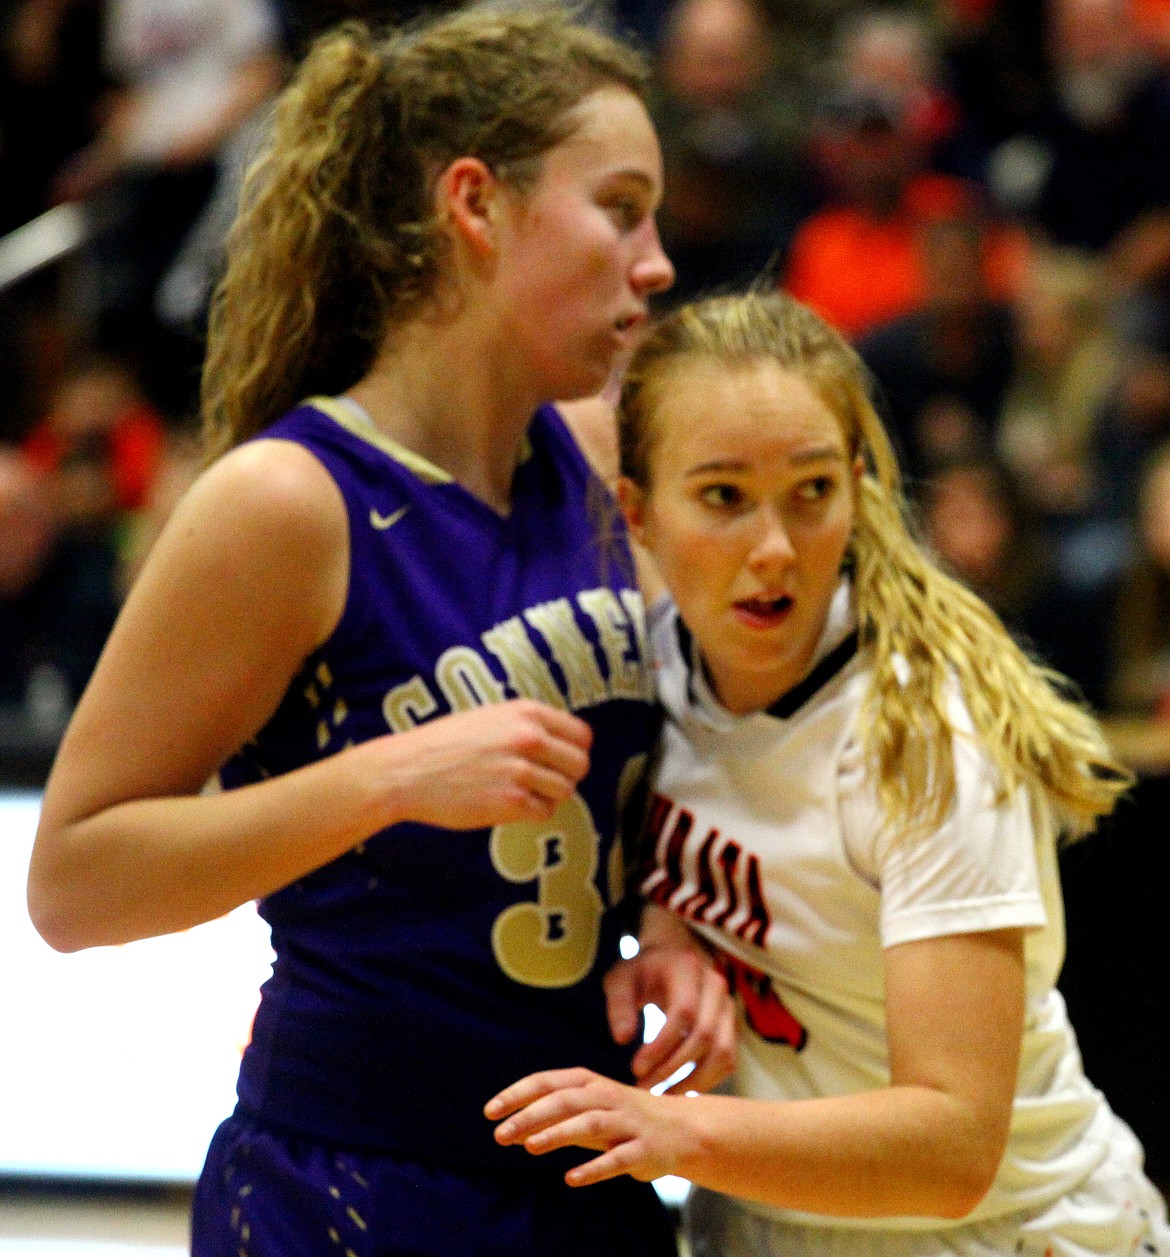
(54, 920)
(57, 913)
(968, 1179)
(57, 929)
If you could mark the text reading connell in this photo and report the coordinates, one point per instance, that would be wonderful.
(463, 678)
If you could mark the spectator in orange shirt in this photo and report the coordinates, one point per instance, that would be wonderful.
(90, 466)
(857, 261)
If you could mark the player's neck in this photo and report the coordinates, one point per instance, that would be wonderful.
(444, 398)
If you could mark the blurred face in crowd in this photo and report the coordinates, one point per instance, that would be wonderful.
(716, 51)
(969, 525)
(1091, 34)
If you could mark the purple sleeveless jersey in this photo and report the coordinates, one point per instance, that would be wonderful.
(427, 968)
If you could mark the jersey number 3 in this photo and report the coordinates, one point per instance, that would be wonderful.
(552, 942)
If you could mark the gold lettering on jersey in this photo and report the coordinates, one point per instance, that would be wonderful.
(636, 610)
(526, 671)
(464, 678)
(628, 677)
(408, 704)
(571, 649)
(552, 941)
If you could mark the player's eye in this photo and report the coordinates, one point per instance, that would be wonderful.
(815, 489)
(627, 212)
(721, 496)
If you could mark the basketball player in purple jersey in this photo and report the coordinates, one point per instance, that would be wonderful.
(385, 616)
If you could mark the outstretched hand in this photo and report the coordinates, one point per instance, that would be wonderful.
(637, 1133)
(674, 972)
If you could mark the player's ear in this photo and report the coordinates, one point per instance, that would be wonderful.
(467, 194)
(632, 500)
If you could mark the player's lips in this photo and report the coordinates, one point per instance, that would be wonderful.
(763, 612)
(628, 322)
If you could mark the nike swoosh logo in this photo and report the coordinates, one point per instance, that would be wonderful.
(383, 522)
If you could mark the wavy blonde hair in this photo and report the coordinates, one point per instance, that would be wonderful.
(923, 631)
(336, 237)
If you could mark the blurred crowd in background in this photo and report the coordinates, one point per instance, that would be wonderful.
(976, 192)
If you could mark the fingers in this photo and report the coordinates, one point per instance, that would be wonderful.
(665, 1055)
(563, 1121)
(560, 724)
(625, 1158)
(622, 1003)
(719, 1061)
(553, 749)
(542, 790)
(578, 1108)
(598, 1114)
(540, 755)
(699, 1027)
(533, 1087)
(555, 755)
(711, 1043)
(673, 980)
(555, 1109)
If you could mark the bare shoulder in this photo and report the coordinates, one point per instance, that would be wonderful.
(248, 576)
(264, 521)
(593, 422)
(272, 483)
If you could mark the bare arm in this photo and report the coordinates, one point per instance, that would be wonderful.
(247, 578)
(928, 1144)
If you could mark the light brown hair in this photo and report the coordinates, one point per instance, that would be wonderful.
(336, 237)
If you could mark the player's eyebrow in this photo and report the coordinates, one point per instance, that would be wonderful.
(636, 173)
(826, 453)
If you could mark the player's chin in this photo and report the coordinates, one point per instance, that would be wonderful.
(593, 368)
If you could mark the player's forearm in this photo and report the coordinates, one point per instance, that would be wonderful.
(901, 1151)
(151, 866)
(662, 928)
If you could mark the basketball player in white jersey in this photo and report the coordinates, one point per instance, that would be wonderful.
(861, 787)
